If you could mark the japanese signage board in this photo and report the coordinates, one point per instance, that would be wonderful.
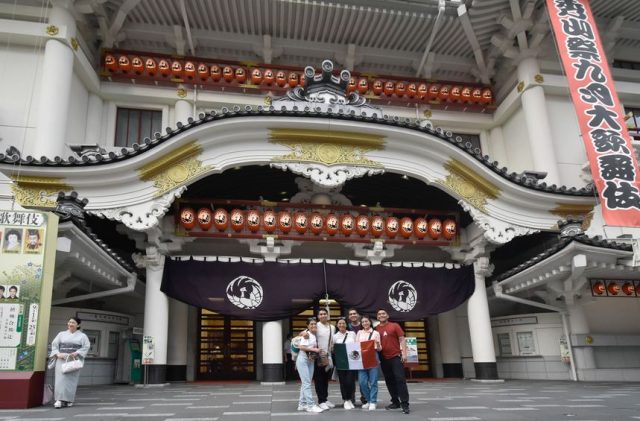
(27, 259)
(148, 350)
(600, 115)
(412, 349)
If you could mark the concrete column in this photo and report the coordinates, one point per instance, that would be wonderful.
(183, 110)
(177, 346)
(584, 357)
(537, 119)
(450, 345)
(94, 120)
(272, 353)
(156, 316)
(497, 149)
(484, 354)
(55, 88)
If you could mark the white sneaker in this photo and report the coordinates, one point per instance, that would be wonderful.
(365, 406)
(58, 404)
(324, 406)
(69, 404)
(315, 409)
(347, 405)
(302, 407)
(330, 405)
(351, 405)
(372, 407)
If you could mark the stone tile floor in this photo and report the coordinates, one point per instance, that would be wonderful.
(454, 400)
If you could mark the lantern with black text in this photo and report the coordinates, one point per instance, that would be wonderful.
(150, 66)
(613, 288)
(423, 91)
(110, 63)
(443, 95)
(487, 96)
(124, 64)
(389, 88)
(476, 95)
(176, 69)
(256, 76)
(253, 220)
(378, 87)
(137, 65)
(221, 219)
(205, 219)
(188, 218)
(435, 228)
(628, 288)
(203, 72)
(406, 227)
(420, 228)
(301, 222)
(434, 90)
(598, 288)
(269, 221)
(347, 224)
(401, 89)
(281, 78)
(284, 222)
(456, 93)
(241, 75)
(363, 86)
(362, 225)
(465, 95)
(392, 226)
(412, 90)
(237, 220)
(449, 229)
(228, 74)
(377, 226)
(332, 224)
(353, 85)
(316, 223)
(164, 68)
(269, 78)
(190, 70)
(293, 79)
(216, 72)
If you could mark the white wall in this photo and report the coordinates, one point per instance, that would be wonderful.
(78, 105)
(516, 143)
(614, 315)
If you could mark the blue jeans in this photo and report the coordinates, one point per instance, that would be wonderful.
(368, 380)
(305, 370)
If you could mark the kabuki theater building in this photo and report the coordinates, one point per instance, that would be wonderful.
(194, 179)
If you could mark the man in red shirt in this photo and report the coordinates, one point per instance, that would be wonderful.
(393, 356)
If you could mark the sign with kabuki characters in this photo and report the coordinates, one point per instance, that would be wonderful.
(611, 156)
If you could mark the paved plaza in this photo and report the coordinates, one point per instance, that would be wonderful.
(456, 400)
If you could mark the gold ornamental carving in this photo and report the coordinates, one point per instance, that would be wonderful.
(74, 44)
(38, 192)
(52, 30)
(539, 78)
(181, 93)
(469, 185)
(176, 168)
(520, 87)
(565, 210)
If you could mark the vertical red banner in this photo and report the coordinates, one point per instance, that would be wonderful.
(611, 156)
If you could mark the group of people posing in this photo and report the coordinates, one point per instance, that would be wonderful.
(314, 361)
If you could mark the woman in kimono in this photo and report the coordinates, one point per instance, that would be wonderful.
(69, 343)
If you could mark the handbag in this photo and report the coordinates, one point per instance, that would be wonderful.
(71, 365)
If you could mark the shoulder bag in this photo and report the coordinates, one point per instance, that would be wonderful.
(72, 364)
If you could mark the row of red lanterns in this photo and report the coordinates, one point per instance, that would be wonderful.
(191, 71)
(613, 288)
(301, 222)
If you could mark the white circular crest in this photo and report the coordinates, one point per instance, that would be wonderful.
(245, 292)
(403, 296)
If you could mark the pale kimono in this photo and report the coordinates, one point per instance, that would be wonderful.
(67, 343)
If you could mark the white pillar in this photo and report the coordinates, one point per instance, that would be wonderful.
(538, 125)
(156, 315)
(177, 346)
(272, 353)
(183, 110)
(449, 344)
(497, 148)
(94, 120)
(55, 89)
(585, 359)
(484, 354)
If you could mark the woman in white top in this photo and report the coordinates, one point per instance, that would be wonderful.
(368, 378)
(304, 364)
(347, 378)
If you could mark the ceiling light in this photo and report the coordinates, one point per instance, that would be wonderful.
(286, 199)
(404, 177)
(283, 192)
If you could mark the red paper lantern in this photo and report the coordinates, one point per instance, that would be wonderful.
(301, 222)
(389, 88)
(465, 95)
(423, 90)
(137, 65)
(412, 90)
(628, 288)
(434, 228)
(203, 71)
(189, 70)
(281, 78)
(241, 75)
(456, 93)
(363, 86)
(216, 72)
(237, 220)
(176, 69)
(598, 288)
(362, 225)
(284, 222)
(420, 228)
(445, 90)
(353, 85)
(401, 89)
(269, 221)
(613, 288)
(392, 226)
(378, 87)
(269, 78)
(110, 63)
(476, 95)
(150, 66)
(332, 224)
(164, 68)
(221, 219)
(205, 218)
(434, 91)
(347, 224)
(487, 96)
(253, 220)
(377, 226)
(406, 227)
(316, 223)
(302, 80)
(294, 79)
(449, 229)
(124, 64)
(228, 74)
(256, 76)
(188, 218)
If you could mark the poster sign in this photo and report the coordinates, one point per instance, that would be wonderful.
(412, 349)
(565, 355)
(614, 166)
(148, 350)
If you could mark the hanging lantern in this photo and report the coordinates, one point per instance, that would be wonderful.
(362, 225)
(164, 68)
(434, 91)
(445, 90)
(190, 70)
(216, 72)
(389, 88)
(256, 76)
(237, 220)
(316, 223)
(269, 78)
(487, 96)
(205, 219)
(353, 85)
(476, 95)
(188, 218)
(363, 86)
(332, 224)
(449, 229)
(347, 224)
(281, 78)
(406, 227)
(137, 65)
(176, 69)
(465, 95)
(253, 220)
(412, 90)
(456, 93)
(401, 89)
(241, 75)
(423, 91)
(434, 228)
(110, 63)
(124, 64)
(377, 226)
(391, 226)
(150, 66)
(378, 87)
(284, 222)
(228, 74)
(203, 72)
(294, 79)
(301, 222)
(598, 288)
(420, 228)
(628, 288)
(613, 288)
(269, 221)
(221, 219)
